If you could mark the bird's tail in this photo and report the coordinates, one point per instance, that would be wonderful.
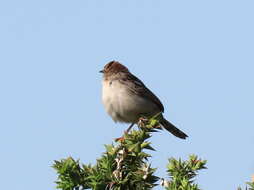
(172, 129)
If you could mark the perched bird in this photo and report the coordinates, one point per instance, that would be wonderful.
(126, 98)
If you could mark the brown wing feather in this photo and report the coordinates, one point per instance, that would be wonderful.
(138, 87)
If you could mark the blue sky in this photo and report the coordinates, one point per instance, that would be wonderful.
(196, 56)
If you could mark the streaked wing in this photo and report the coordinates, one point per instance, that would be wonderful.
(139, 88)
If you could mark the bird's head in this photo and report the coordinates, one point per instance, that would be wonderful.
(113, 67)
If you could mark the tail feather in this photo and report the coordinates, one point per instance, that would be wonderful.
(172, 129)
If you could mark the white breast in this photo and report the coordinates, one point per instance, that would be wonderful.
(122, 105)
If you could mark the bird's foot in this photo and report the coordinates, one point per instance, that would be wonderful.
(142, 122)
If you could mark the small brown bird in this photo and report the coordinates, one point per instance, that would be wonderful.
(126, 98)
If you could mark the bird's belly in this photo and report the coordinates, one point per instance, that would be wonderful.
(124, 106)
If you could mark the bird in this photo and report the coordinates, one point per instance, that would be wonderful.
(126, 98)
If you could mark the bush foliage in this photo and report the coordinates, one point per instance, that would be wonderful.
(125, 166)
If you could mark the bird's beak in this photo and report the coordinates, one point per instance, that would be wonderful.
(102, 71)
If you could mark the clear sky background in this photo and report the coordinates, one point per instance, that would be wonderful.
(196, 56)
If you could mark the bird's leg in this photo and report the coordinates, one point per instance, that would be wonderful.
(129, 128)
(125, 132)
